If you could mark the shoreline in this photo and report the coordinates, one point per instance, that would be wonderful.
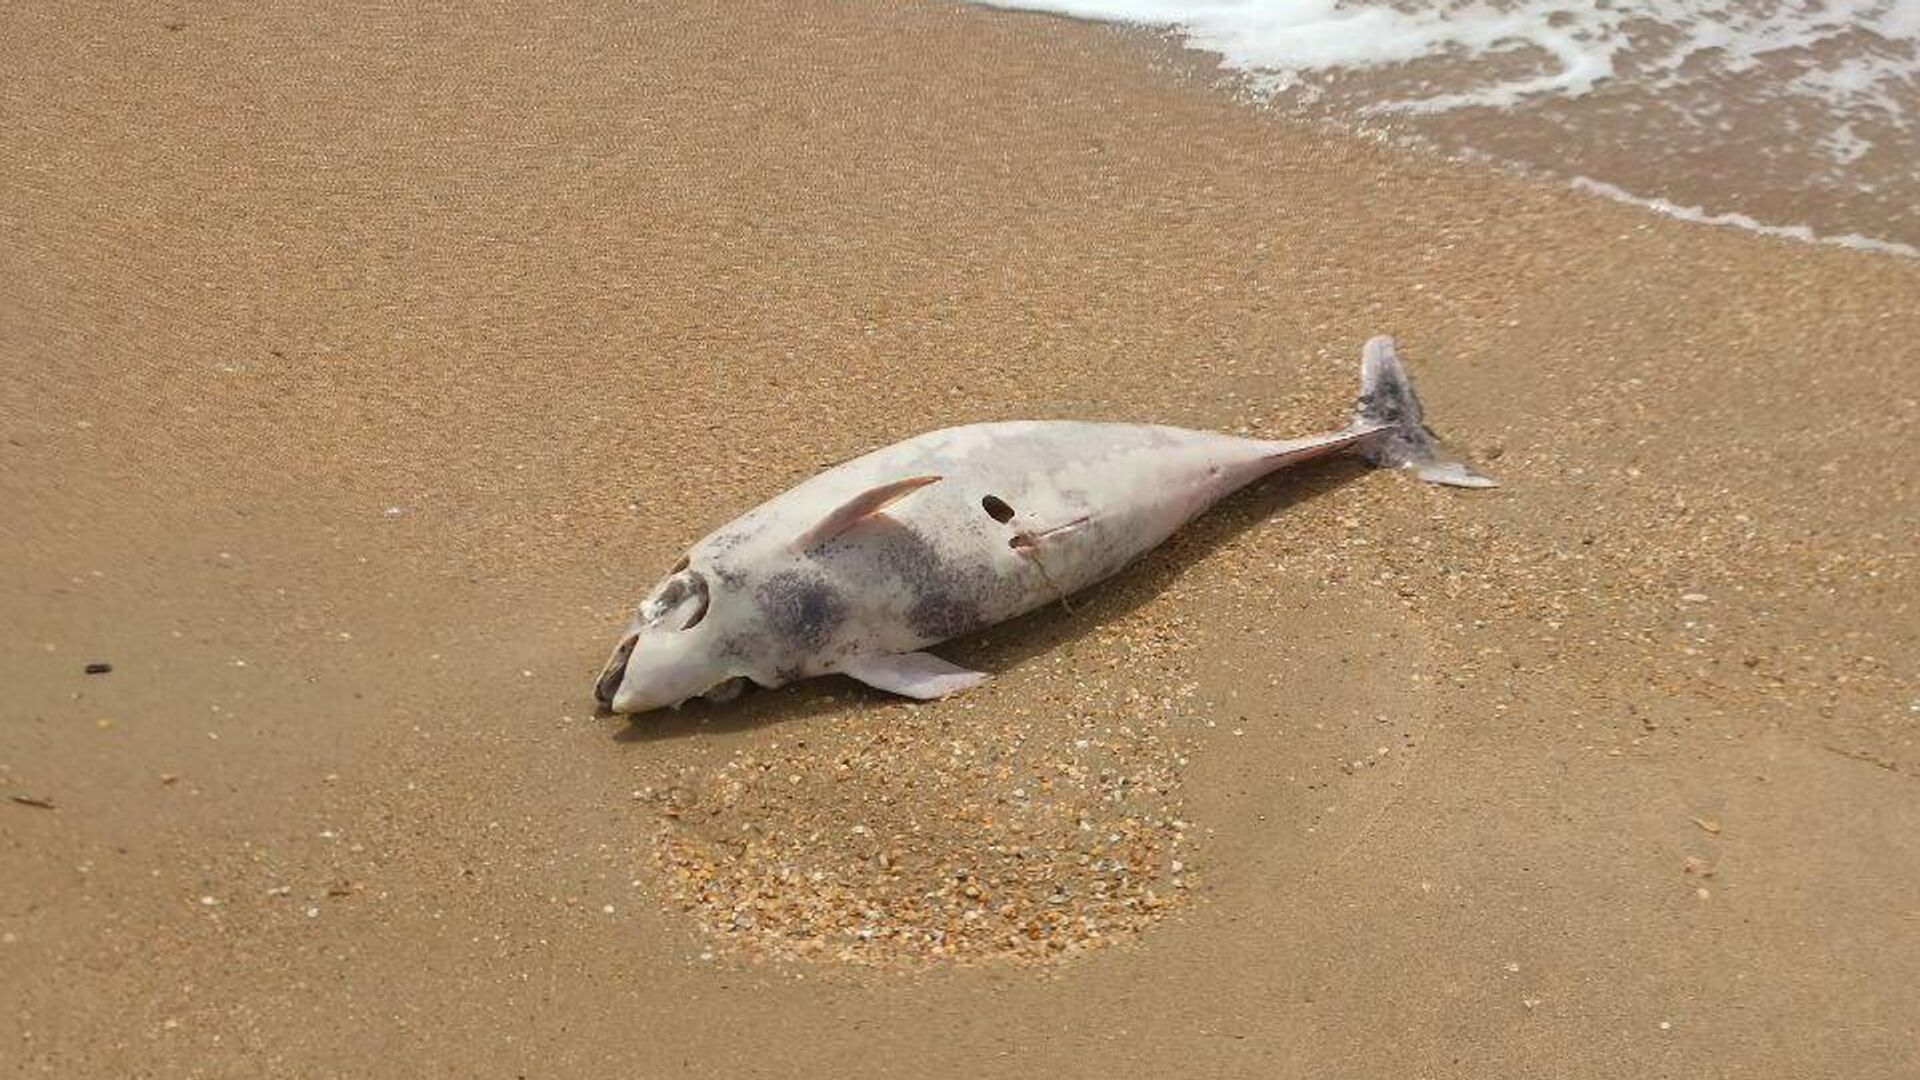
(1701, 216)
(1648, 141)
(357, 412)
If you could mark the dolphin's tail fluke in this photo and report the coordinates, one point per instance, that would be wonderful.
(1388, 404)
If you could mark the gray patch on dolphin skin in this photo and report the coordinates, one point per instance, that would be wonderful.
(724, 541)
(742, 649)
(948, 597)
(939, 617)
(802, 610)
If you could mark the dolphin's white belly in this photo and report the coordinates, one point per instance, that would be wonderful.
(1024, 512)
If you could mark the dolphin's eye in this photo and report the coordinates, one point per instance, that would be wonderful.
(671, 592)
(678, 602)
(698, 598)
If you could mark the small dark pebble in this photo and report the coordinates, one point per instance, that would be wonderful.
(99, 668)
(29, 800)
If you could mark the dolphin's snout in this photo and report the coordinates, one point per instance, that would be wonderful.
(616, 671)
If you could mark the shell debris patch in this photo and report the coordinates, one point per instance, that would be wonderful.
(1024, 825)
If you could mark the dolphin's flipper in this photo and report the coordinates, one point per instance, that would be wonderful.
(860, 507)
(915, 675)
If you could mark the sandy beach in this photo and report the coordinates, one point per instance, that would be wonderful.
(363, 370)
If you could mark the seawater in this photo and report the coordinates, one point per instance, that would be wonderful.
(1796, 119)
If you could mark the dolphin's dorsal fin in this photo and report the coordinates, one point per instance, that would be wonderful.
(861, 506)
(915, 674)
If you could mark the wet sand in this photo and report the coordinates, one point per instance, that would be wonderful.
(364, 371)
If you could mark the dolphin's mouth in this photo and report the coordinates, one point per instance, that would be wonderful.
(616, 671)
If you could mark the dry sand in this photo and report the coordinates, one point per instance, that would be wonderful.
(362, 370)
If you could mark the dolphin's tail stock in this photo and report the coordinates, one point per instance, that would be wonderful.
(1388, 404)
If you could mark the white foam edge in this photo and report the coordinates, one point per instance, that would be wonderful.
(1699, 215)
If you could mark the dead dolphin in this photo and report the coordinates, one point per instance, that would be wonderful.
(861, 567)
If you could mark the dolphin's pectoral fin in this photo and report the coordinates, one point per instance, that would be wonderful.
(915, 675)
(861, 506)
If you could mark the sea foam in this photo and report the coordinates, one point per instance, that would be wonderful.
(1824, 95)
